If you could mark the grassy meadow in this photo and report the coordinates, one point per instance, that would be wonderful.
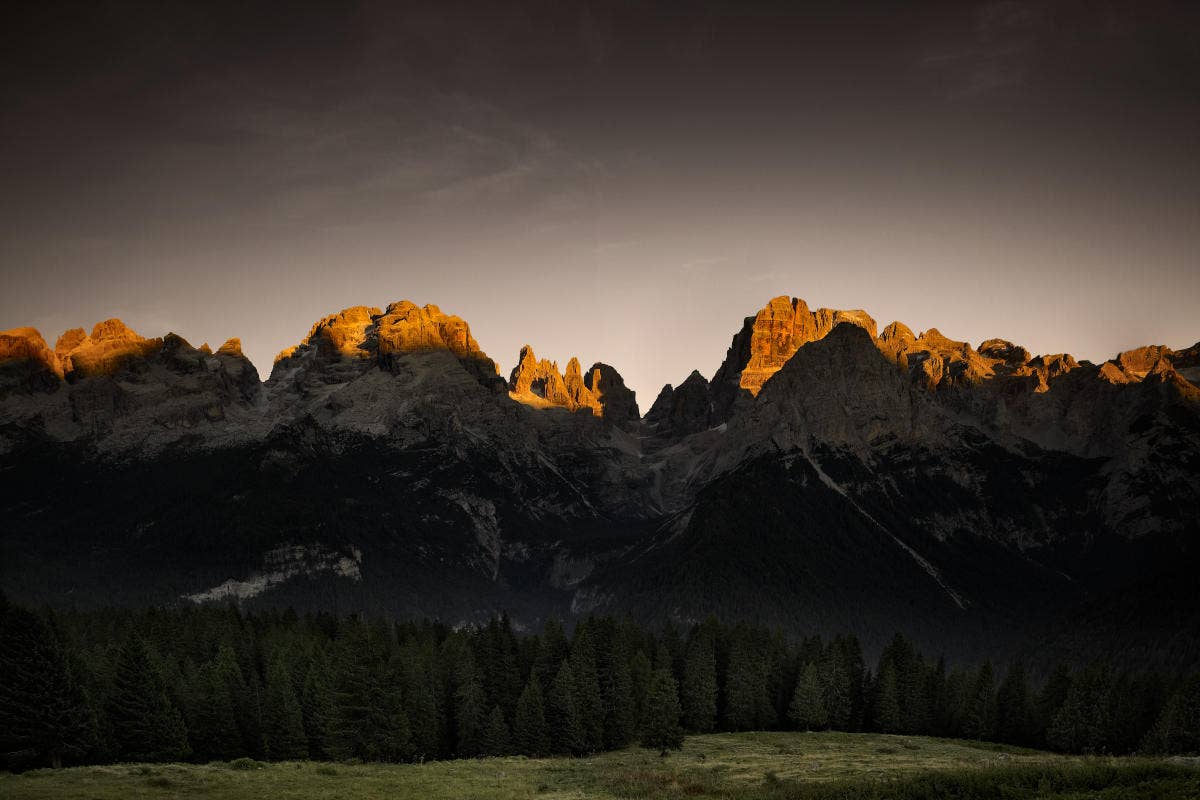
(772, 766)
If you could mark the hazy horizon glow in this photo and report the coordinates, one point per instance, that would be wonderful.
(618, 183)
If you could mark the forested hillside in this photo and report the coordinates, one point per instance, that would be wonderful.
(216, 684)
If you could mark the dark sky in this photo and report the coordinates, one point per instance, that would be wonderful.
(617, 181)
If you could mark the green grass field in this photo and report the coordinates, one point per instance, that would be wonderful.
(772, 766)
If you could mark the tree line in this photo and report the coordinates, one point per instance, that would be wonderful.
(207, 684)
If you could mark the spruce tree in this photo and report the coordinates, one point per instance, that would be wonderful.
(567, 734)
(390, 736)
(358, 687)
(244, 697)
(620, 720)
(745, 689)
(529, 734)
(588, 698)
(471, 720)
(316, 705)
(145, 725)
(698, 693)
(661, 729)
(807, 709)
(553, 648)
(213, 728)
(496, 737)
(1049, 701)
(1014, 708)
(1081, 724)
(283, 719)
(887, 700)
(979, 709)
(44, 709)
(420, 702)
(641, 673)
(937, 700)
(1177, 730)
(836, 692)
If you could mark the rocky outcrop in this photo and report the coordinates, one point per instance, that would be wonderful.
(341, 346)
(115, 390)
(618, 402)
(766, 342)
(26, 363)
(537, 382)
(601, 392)
(683, 410)
(110, 346)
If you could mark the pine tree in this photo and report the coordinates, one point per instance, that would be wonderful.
(529, 734)
(937, 699)
(553, 648)
(420, 703)
(745, 688)
(358, 686)
(496, 738)
(1014, 708)
(44, 709)
(589, 700)
(698, 693)
(389, 734)
(887, 700)
(471, 720)
(145, 725)
(567, 734)
(807, 709)
(620, 720)
(1177, 730)
(212, 723)
(661, 729)
(1081, 724)
(979, 709)
(316, 705)
(244, 697)
(836, 692)
(1050, 700)
(641, 674)
(283, 719)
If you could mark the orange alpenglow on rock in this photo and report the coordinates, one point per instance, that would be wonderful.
(537, 382)
(368, 335)
(766, 342)
(772, 336)
(27, 360)
(406, 327)
(110, 344)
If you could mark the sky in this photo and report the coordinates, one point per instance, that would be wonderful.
(622, 182)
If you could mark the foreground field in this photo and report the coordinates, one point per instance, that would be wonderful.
(772, 766)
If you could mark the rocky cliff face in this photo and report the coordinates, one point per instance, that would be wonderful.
(113, 390)
(602, 392)
(829, 477)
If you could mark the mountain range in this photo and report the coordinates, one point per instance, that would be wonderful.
(830, 477)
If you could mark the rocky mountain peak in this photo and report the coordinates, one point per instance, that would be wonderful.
(768, 339)
(602, 391)
(682, 410)
(26, 362)
(618, 402)
(341, 345)
(110, 344)
(232, 347)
